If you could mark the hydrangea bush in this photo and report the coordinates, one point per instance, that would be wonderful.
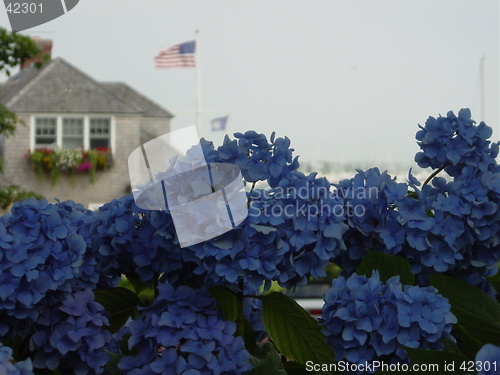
(113, 292)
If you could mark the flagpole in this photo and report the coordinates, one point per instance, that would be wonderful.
(198, 83)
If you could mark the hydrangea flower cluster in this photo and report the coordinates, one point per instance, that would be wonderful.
(488, 360)
(373, 222)
(453, 228)
(295, 228)
(456, 142)
(72, 336)
(42, 252)
(53, 255)
(81, 219)
(182, 333)
(286, 237)
(258, 158)
(135, 242)
(447, 226)
(292, 232)
(8, 367)
(454, 225)
(313, 230)
(365, 319)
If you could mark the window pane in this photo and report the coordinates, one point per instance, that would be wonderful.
(72, 126)
(72, 142)
(72, 132)
(45, 132)
(94, 143)
(100, 132)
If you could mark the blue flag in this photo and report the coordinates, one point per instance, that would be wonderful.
(219, 123)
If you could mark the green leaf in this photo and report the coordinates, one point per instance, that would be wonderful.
(228, 302)
(19, 346)
(495, 281)
(387, 265)
(267, 361)
(450, 346)
(436, 362)
(294, 332)
(121, 303)
(134, 283)
(478, 314)
(249, 337)
(294, 368)
(13, 193)
(112, 364)
(144, 291)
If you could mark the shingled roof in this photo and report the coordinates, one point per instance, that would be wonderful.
(59, 87)
(129, 95)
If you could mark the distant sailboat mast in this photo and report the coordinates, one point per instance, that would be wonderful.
(482, 88)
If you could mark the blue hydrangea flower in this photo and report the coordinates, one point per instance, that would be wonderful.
(374, 224)
(461, 232)
(291, 233)
(455, 141)
(135, 242)
(258, 158)
(72, 336)
(488, 360)
(182, 333)
(450, 226)
(43, 251)
(9, 367)
(293, 230)
(365, 319)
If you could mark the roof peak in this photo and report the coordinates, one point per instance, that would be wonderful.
(72, 91)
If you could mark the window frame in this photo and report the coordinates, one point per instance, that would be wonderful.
(34, 130)
(86, 128)
(62, 130)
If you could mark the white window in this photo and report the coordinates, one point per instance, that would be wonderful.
(72, 132)
(45, 132)
(100, 132)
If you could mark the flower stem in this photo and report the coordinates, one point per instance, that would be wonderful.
(435, 173)
(240, 320)
(249, 199)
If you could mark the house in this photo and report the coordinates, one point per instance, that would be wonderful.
(62, 106)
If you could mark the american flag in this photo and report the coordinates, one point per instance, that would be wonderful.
(180, 55)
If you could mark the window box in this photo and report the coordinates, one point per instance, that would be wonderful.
(55, 161)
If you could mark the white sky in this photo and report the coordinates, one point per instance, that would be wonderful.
(346, 81)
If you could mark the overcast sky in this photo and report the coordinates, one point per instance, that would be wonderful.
(344, 80)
